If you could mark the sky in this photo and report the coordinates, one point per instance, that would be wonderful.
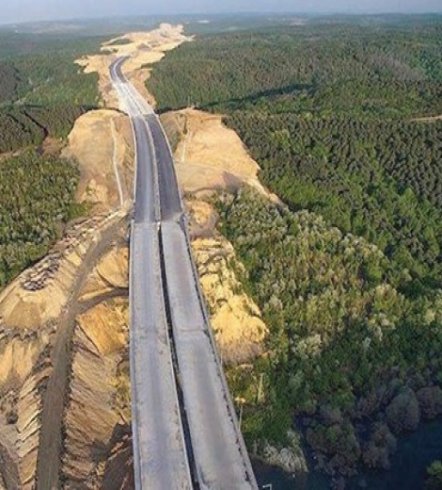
(33, 10)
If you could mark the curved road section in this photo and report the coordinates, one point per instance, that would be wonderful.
(185, 429)
(160, 455)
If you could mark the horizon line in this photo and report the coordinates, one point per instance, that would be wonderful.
(326, 13)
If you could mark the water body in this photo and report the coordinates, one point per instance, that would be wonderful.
(414, 453)
(271, 475)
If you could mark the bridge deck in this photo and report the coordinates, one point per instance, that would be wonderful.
(160, 457)
(160, 249)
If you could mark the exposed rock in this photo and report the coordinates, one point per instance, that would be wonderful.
(118, 473)
(27, 308)
(290, 459)
(18, 358)
(94, 413)
(29, 322)
(203, 219)
(106, 326)
(110, 273)
(113, 268)
(19, 430)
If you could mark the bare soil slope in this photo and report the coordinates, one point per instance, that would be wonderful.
(144, 48)
(209, 155)
(34, 312)
(102, 144)
(210, 158)
(64, 376)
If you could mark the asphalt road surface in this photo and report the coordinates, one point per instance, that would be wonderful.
(160, 456)
(185, 427)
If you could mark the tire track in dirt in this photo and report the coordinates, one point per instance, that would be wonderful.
(51, 437)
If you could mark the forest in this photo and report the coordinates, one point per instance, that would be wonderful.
(339, 114)
(36, 200)
(312, 69)
(42, 93)
(378, 180)
(343, 356)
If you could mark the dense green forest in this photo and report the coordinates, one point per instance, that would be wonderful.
(379, 180)
(349, 273)
(36, 199)
(391, 71)
(328, 113)
(343, 352)
(42, 92)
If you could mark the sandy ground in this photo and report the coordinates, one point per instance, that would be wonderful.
(38, 296)
(101, 143)
(209, 156)
(32, 310)
(429, 119)
(97, 416)
(45, 349)
(144, 48)
(35, 306)
(235, 318)
(110, 274)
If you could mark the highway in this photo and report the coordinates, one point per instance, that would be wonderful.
(160, 455)
(185, 429)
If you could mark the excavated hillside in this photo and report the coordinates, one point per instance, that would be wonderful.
(48, 357)
(143, 49)
(211, 158)
(64, 326)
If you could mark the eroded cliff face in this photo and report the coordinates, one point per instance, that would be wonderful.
(36, 312)
(235, 318)
(57, 382)
(210, 158)
(64, 373)
(97, 415)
